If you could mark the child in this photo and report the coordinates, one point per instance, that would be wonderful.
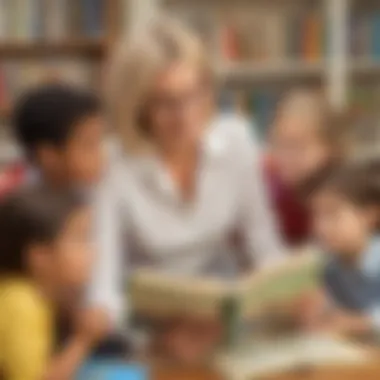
(306, 137)
(60, 129)
(44, 258)
(345, 207)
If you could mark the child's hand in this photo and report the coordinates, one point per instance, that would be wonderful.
(190, 341)
(342, 322)
(310, 310)
(92, 325)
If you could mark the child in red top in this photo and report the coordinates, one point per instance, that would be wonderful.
(306, 137)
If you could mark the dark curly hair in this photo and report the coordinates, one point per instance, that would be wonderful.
(33, 215)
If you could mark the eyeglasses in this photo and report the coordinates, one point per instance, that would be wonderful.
(178, 102)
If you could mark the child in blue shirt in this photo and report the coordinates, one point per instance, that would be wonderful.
(345, 208)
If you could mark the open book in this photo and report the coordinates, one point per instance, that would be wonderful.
(154, 294)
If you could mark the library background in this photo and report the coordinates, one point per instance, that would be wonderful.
(261, 49)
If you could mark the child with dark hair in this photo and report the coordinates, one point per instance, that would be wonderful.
(44, 258)
(60, 129)
(345, 208)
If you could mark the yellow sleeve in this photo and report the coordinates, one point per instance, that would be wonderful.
(27, 344)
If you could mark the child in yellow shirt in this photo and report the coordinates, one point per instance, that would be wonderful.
(44, 259)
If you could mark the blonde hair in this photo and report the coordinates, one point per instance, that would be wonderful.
(334, 127)
(133, 68)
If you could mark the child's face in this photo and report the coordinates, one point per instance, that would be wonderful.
(69, 260)
(340, 226)
(296, 148)
(83, 156)
(81, 160)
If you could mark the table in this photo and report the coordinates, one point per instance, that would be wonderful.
(370, 371)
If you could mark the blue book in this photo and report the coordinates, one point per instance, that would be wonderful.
(375, 36)
(104, 370)
(92, 16)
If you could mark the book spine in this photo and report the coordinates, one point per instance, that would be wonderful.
(312, 37)
(229, 42)
(92, 17)
(3, 19)
(56, 22)
(375, 36)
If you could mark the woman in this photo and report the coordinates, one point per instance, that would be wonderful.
(188, 181)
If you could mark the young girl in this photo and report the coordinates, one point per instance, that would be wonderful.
(305, 138)
(44, 261)
(345, 207)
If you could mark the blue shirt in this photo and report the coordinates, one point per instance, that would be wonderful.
(357, 288)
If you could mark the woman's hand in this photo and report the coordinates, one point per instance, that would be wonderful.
(189, 341)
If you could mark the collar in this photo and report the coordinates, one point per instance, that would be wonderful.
(214, 141)
(212, 147)
(370, 260)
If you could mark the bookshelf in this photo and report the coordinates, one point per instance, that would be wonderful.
(42, 40)
(82, 47)
(340, 55)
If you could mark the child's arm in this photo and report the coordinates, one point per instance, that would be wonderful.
(345, 322)
(92, 326)
(318, 312)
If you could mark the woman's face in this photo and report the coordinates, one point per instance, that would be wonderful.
(178, 106)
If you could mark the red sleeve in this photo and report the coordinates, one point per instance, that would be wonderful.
(11, 178)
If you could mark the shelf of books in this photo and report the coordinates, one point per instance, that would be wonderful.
(261, 48)
(53, 40)
(80, 47)
(364, 90)
(364, 39)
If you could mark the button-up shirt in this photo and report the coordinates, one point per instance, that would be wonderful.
(143, 220)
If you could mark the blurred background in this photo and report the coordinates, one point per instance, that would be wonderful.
(261, 48)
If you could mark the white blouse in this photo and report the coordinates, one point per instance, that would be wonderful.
(142, 220)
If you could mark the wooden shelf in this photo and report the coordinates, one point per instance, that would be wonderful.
(91, 47)
(362, 68)
(248, 73)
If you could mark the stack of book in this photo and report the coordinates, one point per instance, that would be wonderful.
(265, 34)
(25, 20)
